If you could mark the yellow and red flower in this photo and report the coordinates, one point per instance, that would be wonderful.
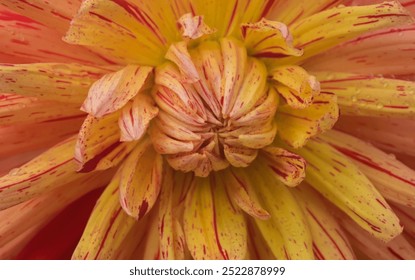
(208, 125)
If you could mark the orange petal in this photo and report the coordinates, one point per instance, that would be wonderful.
(329, 240)
(393, 179)
(287, 167)
(49, 170)
(341, 182)
(407, 217)
(51, 81)
(108, 229)
(113, 91)
(141, 179)
(213, 228)
(296, 127)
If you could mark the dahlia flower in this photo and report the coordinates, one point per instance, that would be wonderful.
(190, 129)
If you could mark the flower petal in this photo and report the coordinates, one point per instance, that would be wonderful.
(243, 193)
(393, 179)
(384, 52)
(397, 249)
(295, 85)
(49, 170)
(407, 217)
(370, 96)
(172, 240)
(27, 41)
(120, 28)
(179, 54)
(114, 90)
(287, 167)
(136, 117)
(108, 229)
(286, 232)
(213, 228)
(296, 127)
(141, 179)
(329, 240)
(96, 139)
(194, 27)
(50, 81)
(329, 28)
(342, 183)
(268, 39)
(389, 134)
(16, 109)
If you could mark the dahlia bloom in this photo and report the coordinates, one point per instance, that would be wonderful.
(207, 129)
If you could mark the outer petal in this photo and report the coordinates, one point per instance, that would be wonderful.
(286, 232)
(384, 52)
(329, 240)
(397, 249)
(287, 167)
(297, 126)
(51, 81)
(108, 228)
(395, 135)
(394, 180)
(51, 169)
(121, 27)
(370, 96)
(214, 229)
(17, 109)
(141, 179)
(342, 183)
(329, 28)
(114, 90)
(24, 41)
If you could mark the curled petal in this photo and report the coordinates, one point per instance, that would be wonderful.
(179, 54)
(268, 39)
(194, 27)
(288, 167)
(296, 127)
(140, 182)
(114, 90)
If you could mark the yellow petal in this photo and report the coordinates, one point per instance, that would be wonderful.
(295, 126)
(141, 179)
(172, 240)
(295, 85)
(119, 29)
(287, 167)
(179, 54)
(114, 90)
(268, 39)
(136, 117)
(214, 229)
(97, 138)
(370, 96)
(258, 248)
(108, 229)
(49, 170)
(323, 30)
(286, 232)
(329, 240)
(342, 183)
(194, 27)
(243, 193)
(394, 180)
(51, 81)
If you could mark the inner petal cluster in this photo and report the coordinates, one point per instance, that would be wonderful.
(216, 107)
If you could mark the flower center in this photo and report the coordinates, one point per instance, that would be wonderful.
(216, 108)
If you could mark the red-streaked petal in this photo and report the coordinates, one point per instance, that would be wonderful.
(141, 179)
(213, 228)
(194, 27)
(114, 90)
(287, 167)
